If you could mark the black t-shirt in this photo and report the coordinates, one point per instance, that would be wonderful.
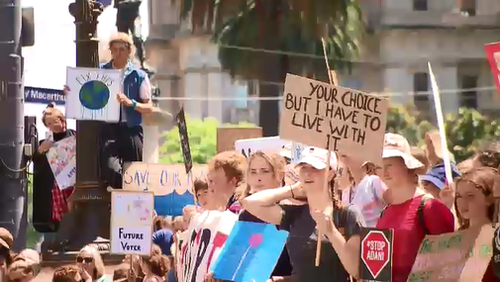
(283, 266)
(301, 243)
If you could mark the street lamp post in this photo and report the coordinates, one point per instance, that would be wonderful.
(88, 220)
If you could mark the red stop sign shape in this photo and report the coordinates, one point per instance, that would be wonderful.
(375, 252)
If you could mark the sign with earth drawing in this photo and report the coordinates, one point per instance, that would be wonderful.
(92, 94)
(376, 255)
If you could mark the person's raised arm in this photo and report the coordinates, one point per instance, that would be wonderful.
(264, 204)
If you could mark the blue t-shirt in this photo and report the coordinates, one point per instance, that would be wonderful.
(163, 238)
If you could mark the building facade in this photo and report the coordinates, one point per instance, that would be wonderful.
(403, 35)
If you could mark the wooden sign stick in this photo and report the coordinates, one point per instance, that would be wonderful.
(332, 76)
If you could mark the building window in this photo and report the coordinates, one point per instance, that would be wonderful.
(420, 5)
(468, 7)
(421, 84)
(468, 98)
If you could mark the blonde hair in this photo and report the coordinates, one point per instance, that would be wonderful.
(276, 162)
(21, 265)
(97, 259)
(52, 111)
(121, 37)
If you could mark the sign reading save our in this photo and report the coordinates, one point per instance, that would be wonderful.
(376, 254)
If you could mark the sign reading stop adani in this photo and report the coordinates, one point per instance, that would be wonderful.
(376, 255)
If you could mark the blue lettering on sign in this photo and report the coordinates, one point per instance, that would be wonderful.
(43, 95)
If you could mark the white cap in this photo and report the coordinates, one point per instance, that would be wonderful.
(317, 158)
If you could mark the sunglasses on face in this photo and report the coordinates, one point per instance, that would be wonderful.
(82, 259)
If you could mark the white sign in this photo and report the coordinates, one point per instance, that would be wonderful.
(265, 144)
(92, 94)
(207, 234)
(131, 222)
(62, 161)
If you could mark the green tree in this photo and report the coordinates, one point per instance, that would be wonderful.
(202, 141)
(286, 26)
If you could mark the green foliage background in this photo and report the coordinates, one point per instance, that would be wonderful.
(466, 132)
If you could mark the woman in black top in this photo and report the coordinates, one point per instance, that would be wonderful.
(323, 211)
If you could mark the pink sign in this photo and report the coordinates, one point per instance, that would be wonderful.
(493, 55)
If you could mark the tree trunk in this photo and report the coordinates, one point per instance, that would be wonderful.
(273, 66)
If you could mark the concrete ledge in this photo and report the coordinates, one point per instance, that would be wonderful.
(157, 117)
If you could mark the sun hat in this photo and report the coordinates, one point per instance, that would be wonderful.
(286, 151)
(396, 145)
(437, 175)
(317, 158)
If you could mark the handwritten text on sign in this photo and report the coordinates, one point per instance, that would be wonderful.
(322, 115)
(159, 178)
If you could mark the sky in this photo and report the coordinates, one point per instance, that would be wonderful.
(45, 63)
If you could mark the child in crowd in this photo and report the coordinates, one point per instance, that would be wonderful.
(178, 224)
(434, 181)
(162, 235)
(226, 172)
(200, 191)
(475, 204)
(70, 273)
(366, 192)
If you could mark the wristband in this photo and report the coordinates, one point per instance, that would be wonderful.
(134, 103)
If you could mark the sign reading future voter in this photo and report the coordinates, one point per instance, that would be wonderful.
(92, 94)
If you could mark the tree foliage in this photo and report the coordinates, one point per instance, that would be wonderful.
(466, 131)
(202, 141)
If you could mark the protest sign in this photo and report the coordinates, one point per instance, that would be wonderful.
(327, 116)
(250, 253)
(459, 256)
(493, 55)
(171, 184)
(92, 94)
(265, 144)
(376, 254)
(226, 137)
(62, 161)
(208, 233)
(183, 136)
(131, 222)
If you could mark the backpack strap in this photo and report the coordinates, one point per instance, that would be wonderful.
(420, 213)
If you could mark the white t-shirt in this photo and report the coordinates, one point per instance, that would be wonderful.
(367, 198)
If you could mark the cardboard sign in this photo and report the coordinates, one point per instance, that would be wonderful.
(183, 136)
(326, 116)
(131, 222)
(207, 233)
(376, 254)
(92, 94)
(493, 55)
(459, 256)
(226, 137)
(171, 185)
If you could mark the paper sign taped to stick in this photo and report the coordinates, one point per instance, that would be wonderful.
(346, 120)
(208, 233)
(460, 256)
(131, 222)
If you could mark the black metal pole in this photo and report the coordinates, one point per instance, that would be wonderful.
(12, 174)
(88, 221)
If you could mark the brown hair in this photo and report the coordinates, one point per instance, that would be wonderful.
(158, 264)
(158, 223)
(122, 272)
(52, 111)
(420, 155)
(199, 184)
(487, 180)
(233, 164)
(489, 154)
(65, 273)
(275, 161)
(21, 265)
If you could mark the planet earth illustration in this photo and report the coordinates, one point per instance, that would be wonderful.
(94, 95)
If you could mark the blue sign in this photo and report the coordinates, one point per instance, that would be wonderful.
(43, 95)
